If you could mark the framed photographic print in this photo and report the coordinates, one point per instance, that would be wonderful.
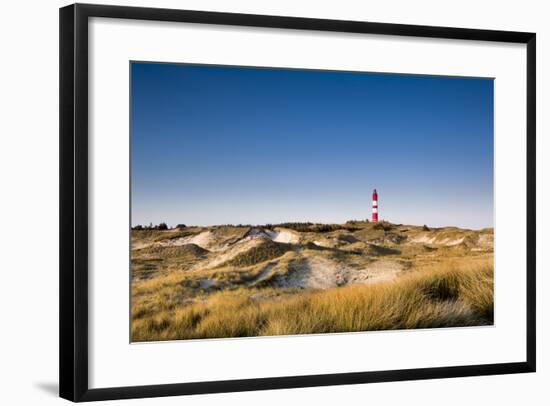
(257, 202)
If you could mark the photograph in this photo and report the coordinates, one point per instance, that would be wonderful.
(276, 201)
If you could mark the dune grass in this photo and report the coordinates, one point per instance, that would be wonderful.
(444, 295)
(265, 251)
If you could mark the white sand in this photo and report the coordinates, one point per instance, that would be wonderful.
(425, 239)
(284, 236)
(318, 272)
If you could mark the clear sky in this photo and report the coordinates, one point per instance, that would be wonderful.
(217, 145)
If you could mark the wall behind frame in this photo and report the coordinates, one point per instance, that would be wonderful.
(29, 182)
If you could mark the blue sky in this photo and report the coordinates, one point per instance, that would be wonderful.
(217, 145)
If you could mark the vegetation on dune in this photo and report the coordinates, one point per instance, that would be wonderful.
(154, 234)
(263, 252)
(383, 225)
(381, 250)
(186, 250)
(233, 281)
(435, 297)
(142, 269)
(314, 227)
(161, 226)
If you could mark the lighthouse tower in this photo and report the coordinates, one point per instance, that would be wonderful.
(374, 207)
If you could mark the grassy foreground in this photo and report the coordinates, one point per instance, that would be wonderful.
(442, 295)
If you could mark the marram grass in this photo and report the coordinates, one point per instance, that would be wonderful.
(442, 295)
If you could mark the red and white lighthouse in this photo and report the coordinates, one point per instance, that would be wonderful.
(374, 207)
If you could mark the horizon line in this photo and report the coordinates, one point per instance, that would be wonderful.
(153, 226)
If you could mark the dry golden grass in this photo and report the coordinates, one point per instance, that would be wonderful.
(443, 295)
(180, 292)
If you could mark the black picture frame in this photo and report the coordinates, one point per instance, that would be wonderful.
(73, 281)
